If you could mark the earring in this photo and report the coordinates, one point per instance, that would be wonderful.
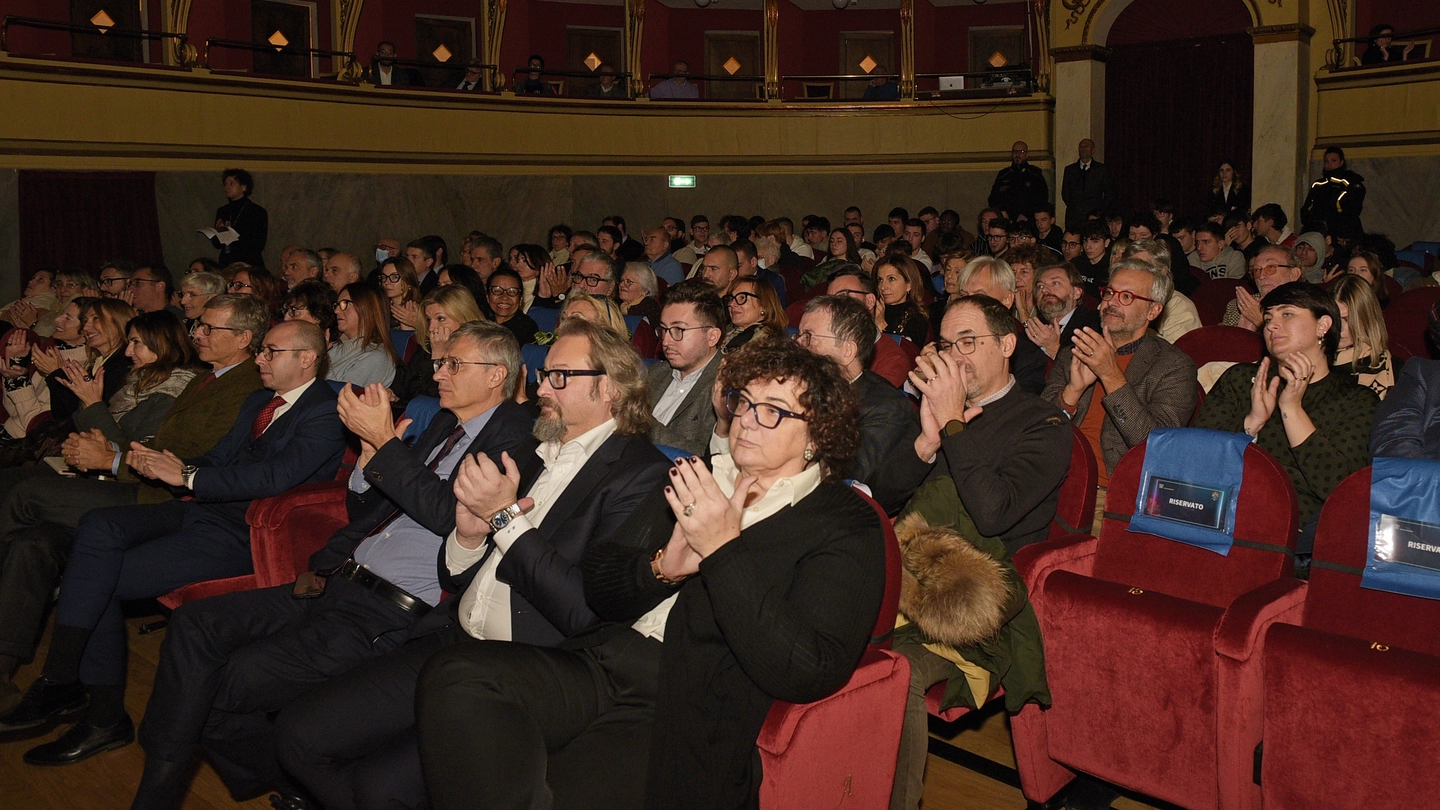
(809, 454)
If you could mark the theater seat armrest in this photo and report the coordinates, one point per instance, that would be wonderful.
(784, 718)
(270, 513)
(1239, 633)
(1074, 553)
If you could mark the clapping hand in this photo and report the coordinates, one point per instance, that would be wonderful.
(1264, 393)
(88, 388)
(1250, 311)
(1045, 335)
(704, 515)
(24, 314)
(88, 451)
(406, 313)
(45, 361)
(553, 281)
(160, 465)
(481, 490)
(367, 415)
(1296, 371)
(944, 385)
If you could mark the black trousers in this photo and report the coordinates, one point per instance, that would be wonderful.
(230, 659)
(38, 515)
(351, 741)
(507, 725)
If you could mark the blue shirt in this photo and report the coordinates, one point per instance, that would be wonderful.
(404, 554)
(668, 267)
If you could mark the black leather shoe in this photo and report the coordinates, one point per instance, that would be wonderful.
(42, 702)
(162, 786)
(82, 741)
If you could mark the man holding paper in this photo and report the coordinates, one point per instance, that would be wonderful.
(241, 226)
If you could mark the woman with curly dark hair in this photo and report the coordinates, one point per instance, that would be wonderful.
(313, 301)
(762, 578)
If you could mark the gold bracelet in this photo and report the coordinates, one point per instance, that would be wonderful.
(659, 573)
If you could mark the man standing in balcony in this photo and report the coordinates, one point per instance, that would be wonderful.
(1088, 189)
(1020, 189)
(677, 86)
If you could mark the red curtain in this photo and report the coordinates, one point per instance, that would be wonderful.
(1173, 112)
(81, 219)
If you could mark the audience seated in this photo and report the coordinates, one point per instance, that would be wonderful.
(285, 436)
(1059, 314)
(511, 564)
(1317, 424)
(900, 283)
(1120, 382)
(840, 328)
(38, 300)
(1270, 268)
(27, 392)
(596, 309)
(402, 289)
(682, 385)
(987, 275)
(639, 293)
(504, 295)
(788, 571)
(256, 281)
(892, 360)
(446, 309)
(1363, 338)
(196, 290)
(231, 657)
(1179, 315)
(363, 353)
(755, 313)
(1407, 423)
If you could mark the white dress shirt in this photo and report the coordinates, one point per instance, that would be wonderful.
(784, 492)
(679, 388)
(485, 605)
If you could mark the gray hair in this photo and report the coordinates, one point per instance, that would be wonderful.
(645, 276)
(1162, 284)
(1001, 272)
(497, 344)
(309, 257)
(203, 282)
(246, 313)
(612, 271)
(88, 285)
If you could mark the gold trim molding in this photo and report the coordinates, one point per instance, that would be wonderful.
(1080, 53)
(1290, 32)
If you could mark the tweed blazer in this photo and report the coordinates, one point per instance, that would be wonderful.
(1160, 393)
(694, 420)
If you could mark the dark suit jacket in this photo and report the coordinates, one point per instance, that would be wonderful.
(200, 417)
(1159, 392)
(400, 481)
(888, 428)
(252, 223)
(630, 251)
(303, 446)
(430, 282)
(694, 420)
(1407, 421)
(542, 567)
(1029, 364)
(1086, 193)
(1083, 316)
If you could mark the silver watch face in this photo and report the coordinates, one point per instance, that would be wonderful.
(500, 520)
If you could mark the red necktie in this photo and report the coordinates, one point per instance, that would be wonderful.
(209, 378)
(266, 415)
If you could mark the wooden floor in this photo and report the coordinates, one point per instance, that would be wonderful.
(108, 781)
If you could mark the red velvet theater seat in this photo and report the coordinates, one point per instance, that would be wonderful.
(1224, 344)
(840, 751)
(284, 531)
(1352, 694)
(1131, 624)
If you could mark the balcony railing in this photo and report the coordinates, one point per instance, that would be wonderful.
(183, 52)
(1342, 56)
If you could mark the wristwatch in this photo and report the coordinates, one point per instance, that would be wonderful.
(954, 426)
(187, 475)
(502, 518)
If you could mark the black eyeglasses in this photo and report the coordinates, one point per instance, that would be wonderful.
(110, 282)
(269, 352)
(393, 278)
(505, 292)
(560, 377)
(804, 338)
(677, 333)
(740, 298)
(588, 281)
(766, 415)
(136, 282)
(343, 304)
(293, 311)
(204, 329)
(966, 344)
(234, 285)
(453, 364)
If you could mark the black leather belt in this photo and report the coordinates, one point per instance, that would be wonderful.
(360, 575)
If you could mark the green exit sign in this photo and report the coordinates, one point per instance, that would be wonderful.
(682, 181)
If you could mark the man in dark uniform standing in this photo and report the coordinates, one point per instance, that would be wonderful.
(1020, 189)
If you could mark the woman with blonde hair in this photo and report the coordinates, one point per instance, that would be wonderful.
(1363, 338)
(755, 313)
(444, 310)
(596, 309)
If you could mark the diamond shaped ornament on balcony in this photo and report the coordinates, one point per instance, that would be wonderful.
(278, 40)
(593, 62)
(997, 60)
(441, 53)
(867, 64)
(731, 65)
(102, 21)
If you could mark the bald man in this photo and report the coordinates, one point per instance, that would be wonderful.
(657, 255)
(1020, 189)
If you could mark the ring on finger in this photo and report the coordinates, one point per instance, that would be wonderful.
(689, 509)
